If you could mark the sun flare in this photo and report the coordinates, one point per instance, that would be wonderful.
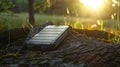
(94, 4)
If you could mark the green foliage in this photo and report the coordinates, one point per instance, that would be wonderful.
(40, 5)
(8, 55)
(61, 7)
(5, 5)
(20, 5)
(4, 19)
(116, 39)
(8, 21)
(101, 23)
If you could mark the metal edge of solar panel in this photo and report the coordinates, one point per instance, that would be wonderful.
(49, 36)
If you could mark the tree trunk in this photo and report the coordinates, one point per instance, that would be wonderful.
(31, 12)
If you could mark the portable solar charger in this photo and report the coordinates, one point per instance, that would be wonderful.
(49, 37)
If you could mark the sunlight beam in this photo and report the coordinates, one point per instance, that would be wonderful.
(93, 4)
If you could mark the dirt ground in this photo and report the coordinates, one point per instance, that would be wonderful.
(81, 48)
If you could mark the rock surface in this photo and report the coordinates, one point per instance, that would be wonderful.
(75, 51)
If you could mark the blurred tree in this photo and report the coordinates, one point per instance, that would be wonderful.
(31, 12)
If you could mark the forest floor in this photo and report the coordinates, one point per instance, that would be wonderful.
(81, 48)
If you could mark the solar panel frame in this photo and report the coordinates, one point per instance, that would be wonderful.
(49, 36)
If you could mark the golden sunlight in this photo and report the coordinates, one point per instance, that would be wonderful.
(94, 4)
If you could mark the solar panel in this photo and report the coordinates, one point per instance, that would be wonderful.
(49, 36)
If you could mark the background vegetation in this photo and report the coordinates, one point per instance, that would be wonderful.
(14, 14)
(61, 7)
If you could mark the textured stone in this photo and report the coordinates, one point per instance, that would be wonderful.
(75, 51)
(89, 57)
